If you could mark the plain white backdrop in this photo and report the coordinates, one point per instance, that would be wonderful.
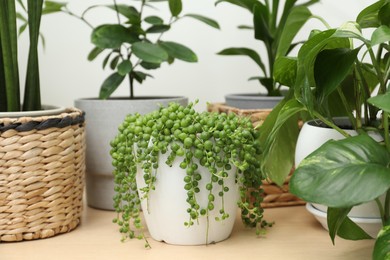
(67, 75)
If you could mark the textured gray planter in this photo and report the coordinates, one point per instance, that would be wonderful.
(102, 120)
(251, 101)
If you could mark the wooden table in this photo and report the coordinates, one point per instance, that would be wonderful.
(295, 235)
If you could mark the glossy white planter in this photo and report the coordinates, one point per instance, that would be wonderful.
(311, 138)
(102, 120)
(166, 210)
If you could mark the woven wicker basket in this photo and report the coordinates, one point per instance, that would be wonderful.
(41, 175)
(274, 195)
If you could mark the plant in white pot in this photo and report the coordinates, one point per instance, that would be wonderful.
(343, 72)
(187, 171)
(133, 46)
(275, 25)
(41, 150)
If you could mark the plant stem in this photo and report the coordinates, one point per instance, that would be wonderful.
(331, 124)
(347, 108)
(383, 212)
(131, 83)
(386, 130)
(117, 12)
(325, 23)
(387, 208)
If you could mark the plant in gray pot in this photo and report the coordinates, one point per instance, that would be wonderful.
(42, 158)
(343, 71)
(133, 46)
(275, 25)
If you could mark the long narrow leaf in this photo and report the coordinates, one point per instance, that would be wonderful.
(204, 19)
(32, 98)
(245, 52)
(3, 94)
(110, 85)
(9, 51)
(295, 21)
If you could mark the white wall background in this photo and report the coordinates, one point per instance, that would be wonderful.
(67, 75)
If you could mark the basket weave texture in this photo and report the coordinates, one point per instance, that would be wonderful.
(42, 166)
(274, 195)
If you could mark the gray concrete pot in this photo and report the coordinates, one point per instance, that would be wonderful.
(251, 101)
(102, 120)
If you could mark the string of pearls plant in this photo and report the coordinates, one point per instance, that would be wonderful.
(211, 140)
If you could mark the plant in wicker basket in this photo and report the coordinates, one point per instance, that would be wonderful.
(209, 149)
(41, 156)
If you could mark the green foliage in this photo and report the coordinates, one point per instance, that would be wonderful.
(336, 72)
(9, 67)
(217, 142)
(275, 25)
(135, 43)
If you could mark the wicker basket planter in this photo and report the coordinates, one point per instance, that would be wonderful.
(41, 175)
(274, 195)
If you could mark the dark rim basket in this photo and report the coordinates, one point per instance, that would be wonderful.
(42, 166)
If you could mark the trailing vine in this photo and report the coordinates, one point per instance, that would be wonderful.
(218, 142)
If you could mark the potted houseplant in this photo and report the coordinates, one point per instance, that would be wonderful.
(42, 147)
(275, 25)
(345, 173)
(187, 171)
(133, 47)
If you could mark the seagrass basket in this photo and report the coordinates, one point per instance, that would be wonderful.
(41, 175)
(274, 195)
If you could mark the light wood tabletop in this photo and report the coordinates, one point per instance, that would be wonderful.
(295, 235)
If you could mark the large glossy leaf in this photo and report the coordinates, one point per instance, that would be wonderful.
(204, 19)
(112, 36)
(279, 134)
(149, 52)
(110, 84)
(295, 21)
(179, 51)
(384, 14)
(245, 52)
(368, 17)
(381, 101)
(380, 35)
(343, 173)
(339, 224)
(382, 245)
(175, 6)
(331, 67)
(285, 71)
(261, 26)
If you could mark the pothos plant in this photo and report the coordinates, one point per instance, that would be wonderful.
(217, 142)
(341, 72)
(275, 25)
(135, 44)
(9, 63)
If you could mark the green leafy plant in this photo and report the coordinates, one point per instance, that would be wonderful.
(134, 45)
(275, 25)
(9, 67)
(217, 142)
(340, 72)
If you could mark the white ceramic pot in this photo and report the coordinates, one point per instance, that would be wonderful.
(166, 210)
(311, 137)
(102, 120)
